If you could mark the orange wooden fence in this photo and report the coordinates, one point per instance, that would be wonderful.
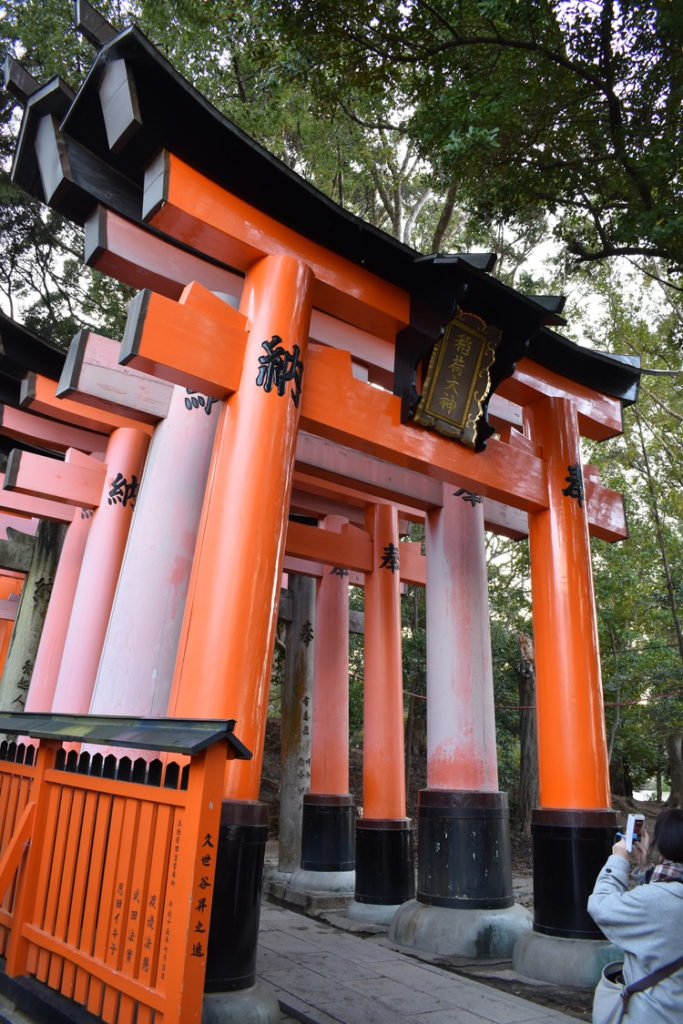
(108, 881)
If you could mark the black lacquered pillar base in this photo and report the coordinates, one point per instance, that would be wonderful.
(235, 914)
(463, 844)
(384, 861)
(328, 832)
(570, 847)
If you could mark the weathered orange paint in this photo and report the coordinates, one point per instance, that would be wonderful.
(606, 512)
(54, 480)
(461, 729)
(213, 221)
(38, 395)
(25, 426)
(349, 547)
(99, 382)
(134, 255)
(330, 715)
(572, 745)
(383, 755)
(99, 574)
(26, 506)
(228, 633)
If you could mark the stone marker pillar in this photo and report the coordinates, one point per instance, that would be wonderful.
(384, 862)
(295, 720)
(464, 904)
(28, 625)
(46, 670)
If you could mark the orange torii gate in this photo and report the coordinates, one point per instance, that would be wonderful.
(329, 307)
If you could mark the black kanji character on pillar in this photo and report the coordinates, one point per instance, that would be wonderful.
(390, 558)
(339, 572)
(278, 366)
(41, 590)
(122, 492)
(474, 499)
(575, 482)
(306, 633)
(197, 401)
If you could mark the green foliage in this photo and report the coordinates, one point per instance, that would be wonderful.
(529, 108)
(42, 278)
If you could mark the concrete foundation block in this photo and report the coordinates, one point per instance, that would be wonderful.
(372, 913)
(448, 931)
(253, 1005)
(573, 962)
(342, 883)
(311, 892)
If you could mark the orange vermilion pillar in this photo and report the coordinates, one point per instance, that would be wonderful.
(328, 835)
(384, 871)
(228, 632)
(573, 827)
(330, 736)
(572, 746)
(227, 637)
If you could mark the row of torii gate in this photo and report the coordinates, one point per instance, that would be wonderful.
(291, 387)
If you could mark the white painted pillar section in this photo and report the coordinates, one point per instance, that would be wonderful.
(330, 734)
(100, 570)
(53, 637)
(138, 658)
(461, 732)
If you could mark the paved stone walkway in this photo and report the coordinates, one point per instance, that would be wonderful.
(322, 975)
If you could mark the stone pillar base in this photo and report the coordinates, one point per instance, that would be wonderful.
(573, 962)
(570, 848)
(253, 1005)
(380, 914)
(463, 844)
(328, 832)
(480, 934)
(341, 883)
(235, 913)
(384, 861)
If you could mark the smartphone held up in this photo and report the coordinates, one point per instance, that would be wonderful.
(634, 830)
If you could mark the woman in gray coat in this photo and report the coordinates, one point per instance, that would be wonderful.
(646, 922)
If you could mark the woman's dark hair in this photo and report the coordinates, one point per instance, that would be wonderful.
(668, 835)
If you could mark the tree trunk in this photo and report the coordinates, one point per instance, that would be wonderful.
(527, 794)
(620, 777)
(674, 747)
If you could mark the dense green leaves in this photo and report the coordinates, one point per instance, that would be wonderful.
(566, 107)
